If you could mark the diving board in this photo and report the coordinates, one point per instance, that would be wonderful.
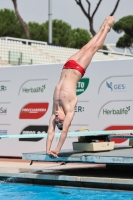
(121, 155)
(72, 134)
(89, 136)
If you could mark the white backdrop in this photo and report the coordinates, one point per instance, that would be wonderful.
(105, 102)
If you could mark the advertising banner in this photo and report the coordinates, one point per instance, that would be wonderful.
(105, 102)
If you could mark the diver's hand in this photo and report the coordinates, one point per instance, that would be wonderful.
(53, 153)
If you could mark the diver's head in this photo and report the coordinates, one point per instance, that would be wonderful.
(59, 119)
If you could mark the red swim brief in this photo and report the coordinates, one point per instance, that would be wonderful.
(72, 64)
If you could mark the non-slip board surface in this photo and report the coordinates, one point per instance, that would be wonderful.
(123, 155)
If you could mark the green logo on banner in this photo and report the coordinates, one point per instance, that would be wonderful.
(121, 111)
(82, 85)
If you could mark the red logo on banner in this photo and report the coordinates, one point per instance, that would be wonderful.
(33, 111)
(118, 140)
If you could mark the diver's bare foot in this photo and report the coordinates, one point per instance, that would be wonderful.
(104, 23)
(110, 22)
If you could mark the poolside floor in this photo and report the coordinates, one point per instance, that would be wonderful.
(71, 174)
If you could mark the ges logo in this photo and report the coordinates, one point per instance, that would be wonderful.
(116, 87)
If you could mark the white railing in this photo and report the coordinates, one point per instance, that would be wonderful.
(26, 41)
(125, 50)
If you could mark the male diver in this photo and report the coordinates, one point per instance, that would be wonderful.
(64, 98)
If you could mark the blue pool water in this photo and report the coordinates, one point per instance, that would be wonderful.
(37, 192)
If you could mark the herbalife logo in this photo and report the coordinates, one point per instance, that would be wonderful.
(82, 85)
(34, 90)
(121, 111)
(116, 87)
(3, 88)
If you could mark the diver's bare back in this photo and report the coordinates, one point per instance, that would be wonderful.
(65, 92)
